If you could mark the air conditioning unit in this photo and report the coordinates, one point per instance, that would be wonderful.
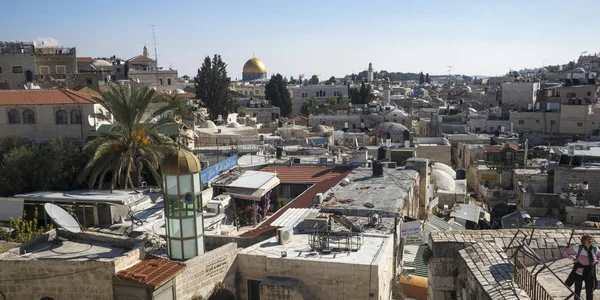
(391, 164)
(296, 160)
(323, 160)
(285, 235)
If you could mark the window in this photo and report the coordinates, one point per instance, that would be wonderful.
(75, 117)
(160, 81)
(579, 124)
(537, 121)
(253, 289)
(17, 69)
(552, 122)
(321, 94)
(0, 69)
(589, 94)
(13, 117)
(44, 70)
(61, 69)
(61, 117)
(521, 122)
(168, 81)
(89, 81)
(118, 70)
(28, 116)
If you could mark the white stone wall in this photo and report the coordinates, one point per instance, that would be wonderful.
(312, 90)
(520, 93)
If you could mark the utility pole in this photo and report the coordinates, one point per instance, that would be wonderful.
(155, 54)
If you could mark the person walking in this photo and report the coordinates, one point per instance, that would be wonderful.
(585, 256)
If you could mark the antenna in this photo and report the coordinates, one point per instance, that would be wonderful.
(154, 40)
(62, 218)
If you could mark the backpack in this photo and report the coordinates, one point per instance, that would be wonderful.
(594, 251)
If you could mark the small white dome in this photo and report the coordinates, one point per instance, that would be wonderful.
(443, 180)
(579, 70)
(445, 168)
(101, 63)
(208, 124)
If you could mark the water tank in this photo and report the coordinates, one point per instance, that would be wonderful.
(377, 168)
(381, 153)
(461, 174)
(279, 152)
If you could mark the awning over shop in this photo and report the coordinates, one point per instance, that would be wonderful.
(252, 185)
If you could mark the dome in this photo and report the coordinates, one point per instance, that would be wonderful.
(445, 168)
(579, 70)
(254, 65)
(234, 124)
(443, 180)
(180, 162)
(208, 124)
(320, 128)
(101, 63)
(393, 128)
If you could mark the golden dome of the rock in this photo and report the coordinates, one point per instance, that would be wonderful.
(254, 65)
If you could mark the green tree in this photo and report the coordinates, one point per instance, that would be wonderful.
(421, 78)
(292, 80)
(427, 79)
(331, 101)
(340, 99)
(25, 230)
(310, 106)
(314, 80)
(132, 146)
(331, 80)
(212, 87)
(276, 91)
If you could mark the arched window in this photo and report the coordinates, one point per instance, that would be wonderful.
(28, 116)
(168, 81)
(61, 117)
(75, 117)
(13, 117)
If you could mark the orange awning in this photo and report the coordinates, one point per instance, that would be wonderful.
(415, 287)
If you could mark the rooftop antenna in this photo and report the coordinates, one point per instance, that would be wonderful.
(154, 40)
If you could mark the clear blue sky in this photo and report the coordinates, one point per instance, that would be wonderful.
(319, 37)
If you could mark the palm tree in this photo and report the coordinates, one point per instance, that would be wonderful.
(132, 145)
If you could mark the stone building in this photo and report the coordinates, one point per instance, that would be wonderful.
(302, 93)
(262, 110)
(520, 94)
(55, 64)
(41, 115)
(17, 64)
(145, 71)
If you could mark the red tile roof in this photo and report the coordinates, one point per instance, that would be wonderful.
(500, 148)
(152, 272)
(85, 60)
(305, 174)
(141, 58)
(43, 97)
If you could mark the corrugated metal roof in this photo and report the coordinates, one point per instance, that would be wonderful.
(413, 258)
(293, 216)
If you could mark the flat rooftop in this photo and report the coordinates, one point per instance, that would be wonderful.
(367, 193)
(63, 245)
(298, 249)
(122, 197)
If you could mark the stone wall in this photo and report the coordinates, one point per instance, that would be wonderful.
(67, 279)
(16, 81)
(5, 246)
(204, 272)
(565, 175)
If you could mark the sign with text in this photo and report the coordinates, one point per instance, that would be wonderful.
(412, 228)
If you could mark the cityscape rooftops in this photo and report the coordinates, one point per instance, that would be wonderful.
(122, 197)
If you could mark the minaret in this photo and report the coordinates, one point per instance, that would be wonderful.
(145, 53)
(370, 74)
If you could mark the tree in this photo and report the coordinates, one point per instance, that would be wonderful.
(340, 99)
(427, 79)
(309, 107)
(314, 80)
(331, 101)
(276, 91)
(331, 80)
(132, 146)
(292, 80)
(421, 78)
(212, 87)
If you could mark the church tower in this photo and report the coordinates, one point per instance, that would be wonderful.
(370, 73)
(145, 53)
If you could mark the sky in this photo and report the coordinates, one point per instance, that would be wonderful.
(330, 38)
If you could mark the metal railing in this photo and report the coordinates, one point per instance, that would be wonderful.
(528, 282)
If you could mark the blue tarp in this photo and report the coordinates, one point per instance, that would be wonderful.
(213, 171)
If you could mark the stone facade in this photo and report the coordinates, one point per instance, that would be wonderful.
(262, 114)
(55, 62)
(204, 272)
(16, 60)
(319, 92)
(520, 94)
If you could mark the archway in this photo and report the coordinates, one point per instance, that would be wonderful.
(222, 294)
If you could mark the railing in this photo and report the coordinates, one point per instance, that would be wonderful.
(528, 282)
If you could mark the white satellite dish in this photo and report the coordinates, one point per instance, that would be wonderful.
(62, 218)
(91, 120)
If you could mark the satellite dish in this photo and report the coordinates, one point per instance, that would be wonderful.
(188, 198)
(91, 120)
(62, 218)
